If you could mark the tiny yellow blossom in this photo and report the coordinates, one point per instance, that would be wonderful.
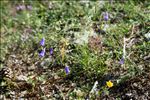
(109, 84)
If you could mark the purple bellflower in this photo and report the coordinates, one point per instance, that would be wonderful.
(121, 61)
(51, 51)
(105, 16)
(67, 70)
(42, 53)
(42, 42)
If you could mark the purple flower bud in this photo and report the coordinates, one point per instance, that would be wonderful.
(42, 53)
(42, 42)
(17, 7)
(67, 70)
(29, 7)
(51, 51)
(121, 61)
(105, 16)
(22, 7)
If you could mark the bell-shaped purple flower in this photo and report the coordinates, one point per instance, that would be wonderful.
(121, 61)
(67, 70)
(51, 51)
(42, 42)
(42, 53)
(105, 16)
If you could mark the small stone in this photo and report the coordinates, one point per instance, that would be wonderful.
(56, 77)
(22, 77)
(73, 84)
(129, 94)
(31, 68)
(79, 93)
(135, 84)
(46, 62)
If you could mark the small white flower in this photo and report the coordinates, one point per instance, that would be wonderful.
(94, 87)
(147, 36)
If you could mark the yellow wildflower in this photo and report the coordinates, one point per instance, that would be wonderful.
(109, 84)
(62, 51)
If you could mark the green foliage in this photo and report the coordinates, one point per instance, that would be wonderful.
(22, 30)
(88, 61)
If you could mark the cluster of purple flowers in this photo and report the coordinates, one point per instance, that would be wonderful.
(42, 53)
(23, 7)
